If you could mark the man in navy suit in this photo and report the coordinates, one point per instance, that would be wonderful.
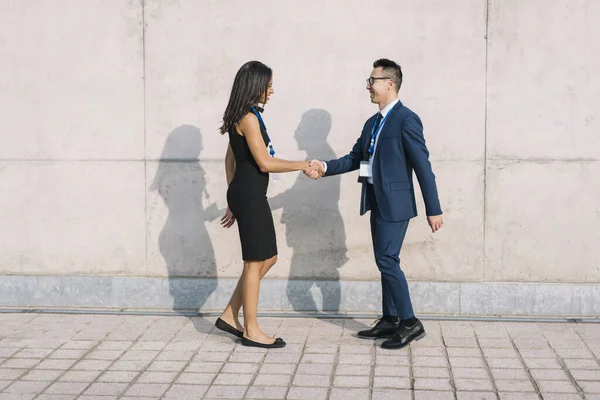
(387, 152)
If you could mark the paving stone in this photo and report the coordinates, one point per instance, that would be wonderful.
(33, 353)
(476, 396)
(351, 381)
(590, 387)
(463, 384)
(278, 368)
(549, 374)
(108, 389)
(387, 394)
(314, 369)
(307, 393)
(56, 364)
(236, 379)
(79, 376)
(196, 378)
(514, 385)
(463, 352)
(433, 395)
(204, 367)
(242, 368)
(467, 362)
(157, 377)
(262, 392)
(128, 365)
(346, 393)
(12, 373)
(27, 387)
(66, 388)
(318, 358)
(167, 366)
(147, 390)
(470, 373)
(432, 384)
(556, 387)
(312, 380)
(91, 365)
(509, 373)
(23, 363)
(118, 376)
(518, 396)
(226, 392)
(356, 370)
(41, 375)
(391, 382)
(504, 363)
(186, 392)
(586, 375)
(546, 363)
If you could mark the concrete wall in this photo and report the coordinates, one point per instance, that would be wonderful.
(111, 165)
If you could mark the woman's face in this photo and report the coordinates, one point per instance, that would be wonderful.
(270, 91)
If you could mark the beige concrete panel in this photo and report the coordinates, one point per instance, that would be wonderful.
(71, 74)
(543, 90)
(72, 218)
(543, 222)
(194, 49)
(454, 253)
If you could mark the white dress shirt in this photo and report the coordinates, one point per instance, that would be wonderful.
(384, 113)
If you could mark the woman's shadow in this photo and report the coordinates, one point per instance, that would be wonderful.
(184, 241)
(314, 225)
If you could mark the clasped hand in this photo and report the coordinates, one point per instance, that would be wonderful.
(315, 169)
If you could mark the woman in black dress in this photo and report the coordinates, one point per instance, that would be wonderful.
(249, 159)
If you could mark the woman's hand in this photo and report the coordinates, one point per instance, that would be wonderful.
(228, 219)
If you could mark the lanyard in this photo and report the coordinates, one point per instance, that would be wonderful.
(375, 133)
(270, 145)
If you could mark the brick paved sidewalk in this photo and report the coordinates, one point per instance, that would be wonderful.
(51, 356)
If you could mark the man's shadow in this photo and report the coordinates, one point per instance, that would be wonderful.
(314, 225)
(184, 241)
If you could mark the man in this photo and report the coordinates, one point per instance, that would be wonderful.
(390, 147)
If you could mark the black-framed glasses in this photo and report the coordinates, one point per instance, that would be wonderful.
(371, 80)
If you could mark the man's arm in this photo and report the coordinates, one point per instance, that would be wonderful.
(350, 162)
(416, 150)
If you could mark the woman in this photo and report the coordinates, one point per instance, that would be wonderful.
(249, 159)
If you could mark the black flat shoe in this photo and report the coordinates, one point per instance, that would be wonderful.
(224, 326)
(404, 336)
(279, 343)
(382, 329)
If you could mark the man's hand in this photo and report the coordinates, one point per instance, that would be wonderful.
(435, 222)
(228, 219)
(315, 169)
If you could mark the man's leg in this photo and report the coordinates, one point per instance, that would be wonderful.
(387, 243)
(387, 301)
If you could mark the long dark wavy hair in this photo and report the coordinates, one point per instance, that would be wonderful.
(249, 88)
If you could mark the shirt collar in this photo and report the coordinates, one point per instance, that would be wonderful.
(388, 108)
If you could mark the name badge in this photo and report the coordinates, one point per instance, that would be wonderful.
(366, 170)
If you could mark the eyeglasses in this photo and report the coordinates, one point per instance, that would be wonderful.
(371, 80)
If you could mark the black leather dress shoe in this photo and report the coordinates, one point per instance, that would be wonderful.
(383, 329)
(404, 335)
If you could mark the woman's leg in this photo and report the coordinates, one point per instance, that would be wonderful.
(231, 312)
(250, 288)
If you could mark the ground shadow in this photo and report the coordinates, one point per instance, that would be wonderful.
(314, 226)
(184, 241)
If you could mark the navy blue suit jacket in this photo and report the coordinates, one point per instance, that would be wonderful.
(400, 150)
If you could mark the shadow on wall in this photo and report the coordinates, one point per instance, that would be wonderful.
(184, 241)
(315, 233)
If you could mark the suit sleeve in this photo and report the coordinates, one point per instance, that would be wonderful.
(416, 150)
(350, 162)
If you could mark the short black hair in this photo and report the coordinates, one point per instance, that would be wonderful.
(391, 70)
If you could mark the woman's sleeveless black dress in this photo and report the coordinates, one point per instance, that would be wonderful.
(247, 200)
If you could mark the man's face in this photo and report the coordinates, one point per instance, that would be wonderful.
(380, 85)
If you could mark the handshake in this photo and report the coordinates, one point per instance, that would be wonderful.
(315, 169)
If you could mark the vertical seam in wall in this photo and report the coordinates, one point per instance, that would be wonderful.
(144, 127)
(485, 113)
